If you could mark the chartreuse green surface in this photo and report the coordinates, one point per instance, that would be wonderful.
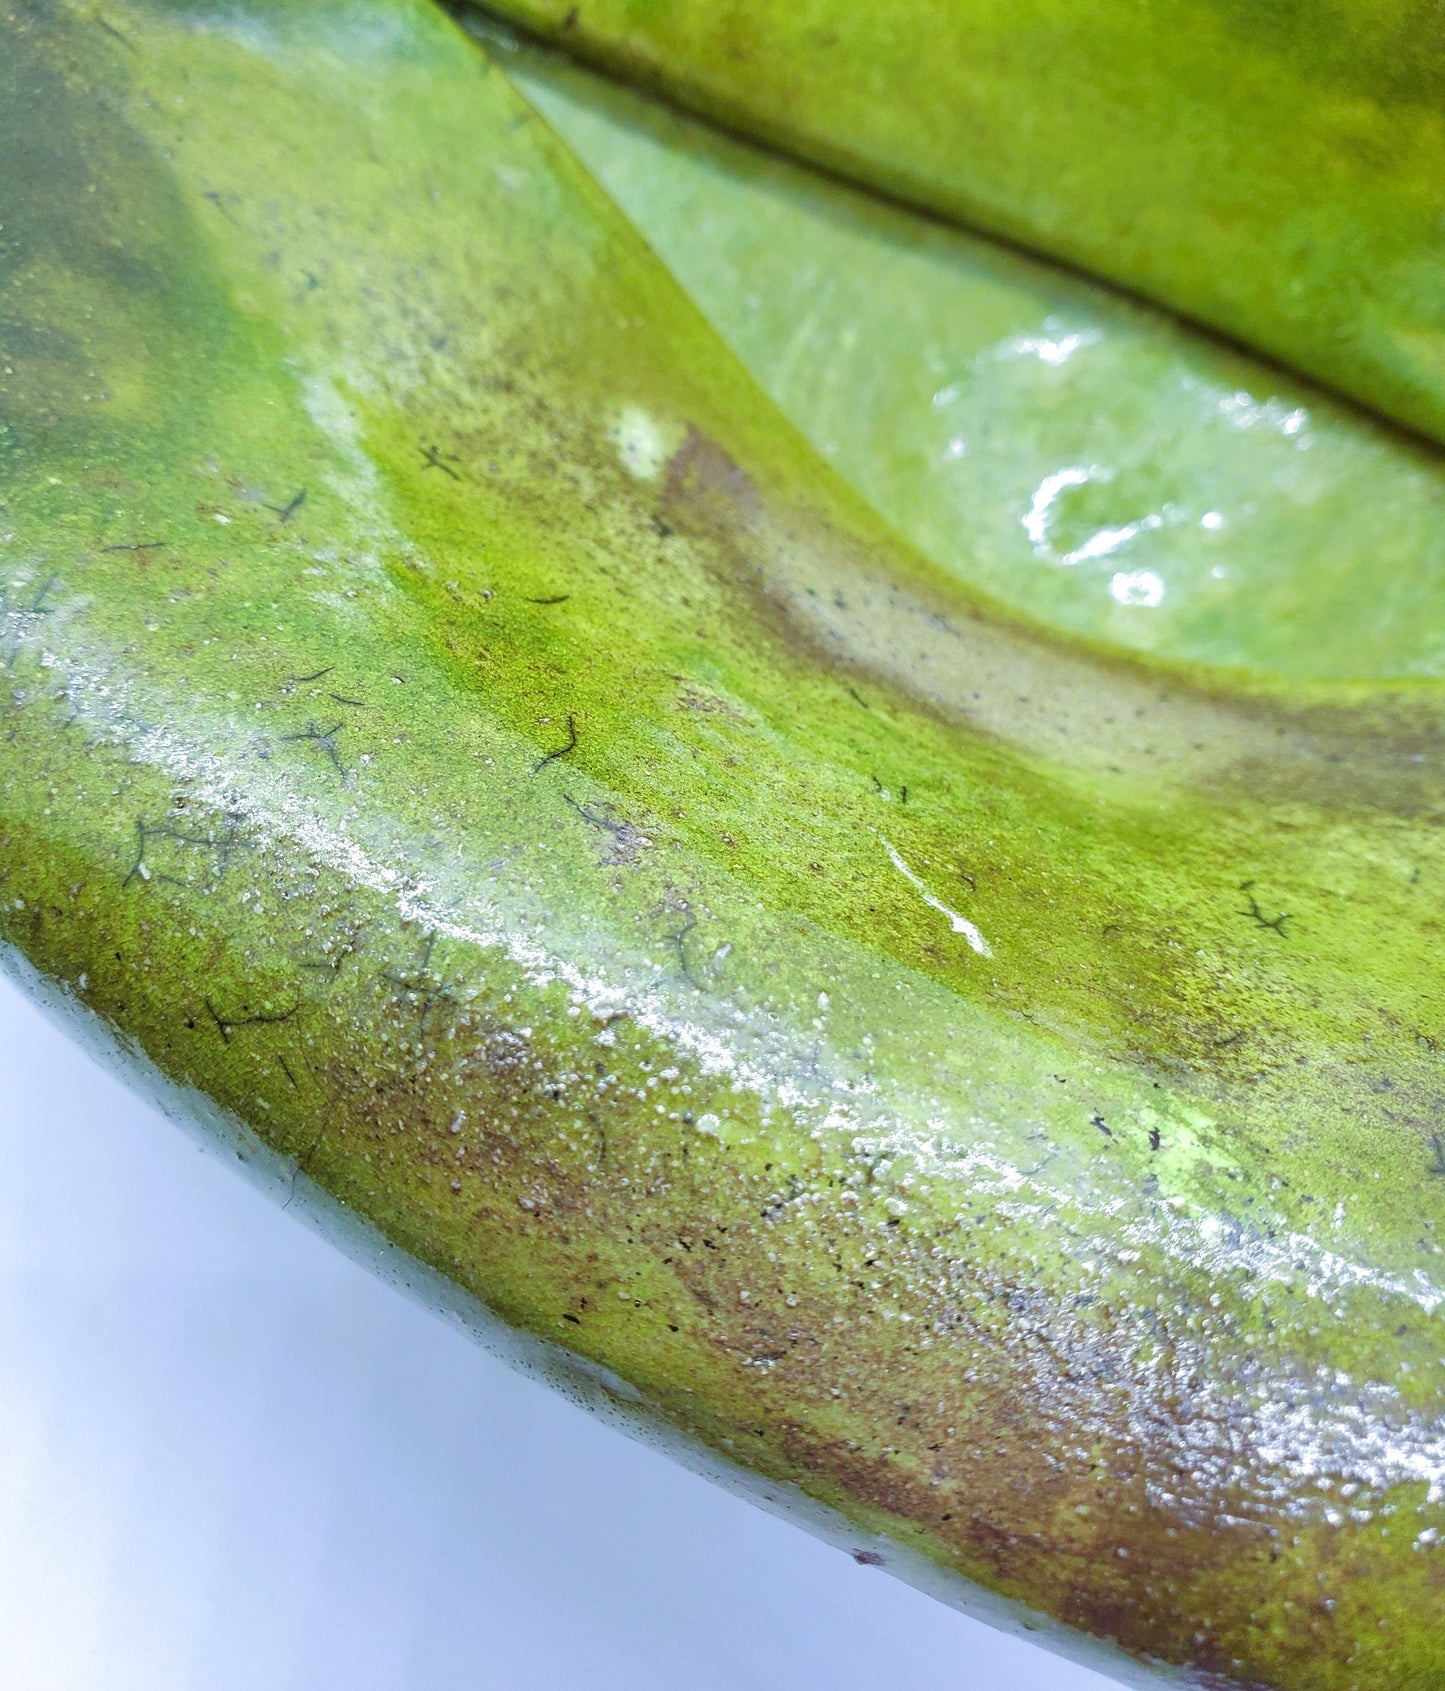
(1081, 459)
(454, 722)
(1270, 168)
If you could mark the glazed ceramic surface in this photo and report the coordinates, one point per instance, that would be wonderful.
(465, 747)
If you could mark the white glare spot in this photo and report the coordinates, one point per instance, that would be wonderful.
(640, 443)
(1212, 519)
(1039, 515)
(1048, 349)
(1136, 587)
(1103, 543)
(959, 924)
(957, 447)
(1241, 410)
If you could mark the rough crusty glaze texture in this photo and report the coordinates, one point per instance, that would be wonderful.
(452, 721)
(1271, 168)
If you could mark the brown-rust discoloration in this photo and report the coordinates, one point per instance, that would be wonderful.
(740, 1116)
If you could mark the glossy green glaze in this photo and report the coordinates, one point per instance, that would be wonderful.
(451, 720)
(1080, 459)
(1271, 169)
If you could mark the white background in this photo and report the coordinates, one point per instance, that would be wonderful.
(230, 1460)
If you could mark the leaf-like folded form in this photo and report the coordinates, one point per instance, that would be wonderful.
(461, 747)
(1076, 456)
(1271, 170)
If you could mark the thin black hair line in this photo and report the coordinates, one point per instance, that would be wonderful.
(561, 751)
(226, 1025)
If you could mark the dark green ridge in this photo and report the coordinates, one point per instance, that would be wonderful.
(1271, 169)
(986, 1083)
(1080, 459)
